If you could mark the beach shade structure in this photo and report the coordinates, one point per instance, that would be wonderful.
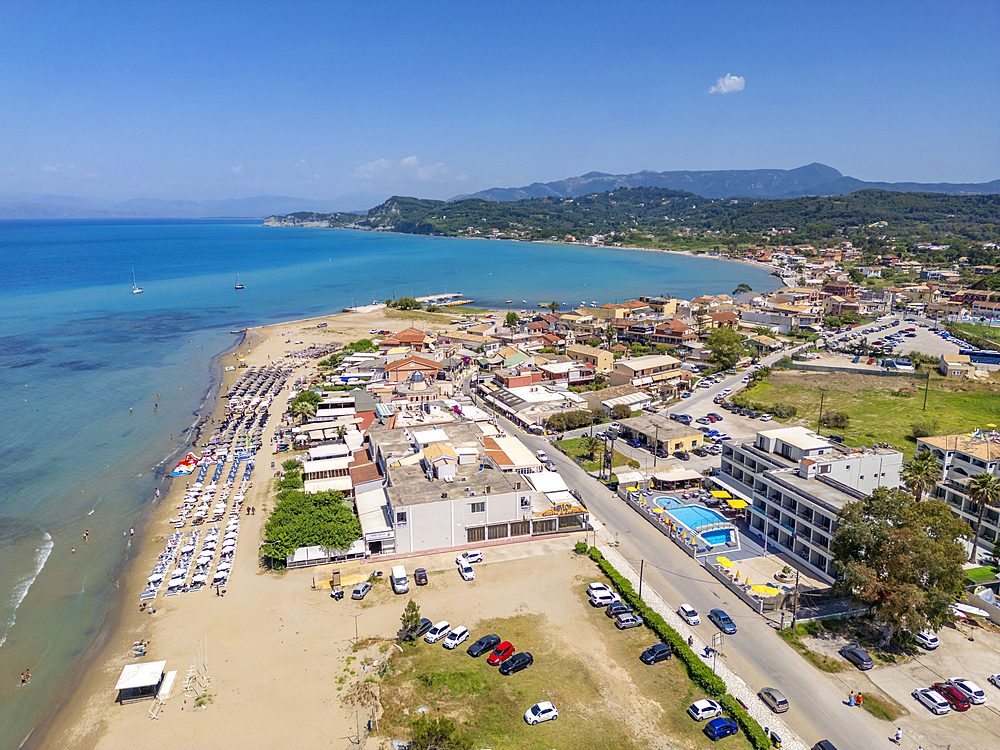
(187, 549)
(657, 510)
(220, 575)
(140, 681)
(155, 578)
(721, 494)
(725, 562)
(766, 589)
(736, 503)
(224, 566)
(200, 578)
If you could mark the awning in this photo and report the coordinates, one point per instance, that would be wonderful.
(141, 675)
(735, 502)
(721, 494)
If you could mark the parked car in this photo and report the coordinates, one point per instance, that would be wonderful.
(419, 629)
(774, 699)
(616, 426)
(501, 652)
(723, 621)
(617, 608)
(516, 663)
(627, 620)
(957, 699)
(927, 639)
(543, 711)
(703, 420)
(972, 691)
(470, 556)
(689, 614)
(598, 586)
(704, 709)
(420, 576)
(604, 598)
(682, 455)
(714, 417)
(824, 745)
(699, 452)
(994, 680)
(467, 572)
(656, 653)
(484, 644)
(438, 632)
(933, 700)
(716, 729)
(456, 637)
(766, 417)
(361, 590)
(686, 394)
(858, 657)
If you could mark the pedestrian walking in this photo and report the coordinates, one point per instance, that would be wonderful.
(850, 701)
(899, 735)
(859, 699)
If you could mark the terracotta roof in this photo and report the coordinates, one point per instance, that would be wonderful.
(364, 473)
(987, 450)
(419, 362)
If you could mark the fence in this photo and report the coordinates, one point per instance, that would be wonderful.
(853, 370)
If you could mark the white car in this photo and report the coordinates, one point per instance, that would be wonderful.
(927, 639)
(704, 709)
(467, 572)
(727, 391)
(438, 632)
(543, 711)
(766, 417)
(457, 636)
(995, 679)
(932, 699)
(971, 690)
(689, 614)
(597, 586)
(603, 598)
(470, 556)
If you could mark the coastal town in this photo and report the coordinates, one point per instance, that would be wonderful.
(633, 450)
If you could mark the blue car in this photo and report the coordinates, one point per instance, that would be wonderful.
(723, 621)
(721, 727)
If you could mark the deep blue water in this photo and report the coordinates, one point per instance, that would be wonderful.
(78, 350)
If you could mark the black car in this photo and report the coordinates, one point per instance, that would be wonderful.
(420, 576)
(699, 452)
(858, 657)
(723, 621)
(682, 455)
(655, 653)
(727, 405)
(419, 629)
(516, 663)
(484, 644)
(617, 608)
(713, 415)
(675, 416)
(662, 453)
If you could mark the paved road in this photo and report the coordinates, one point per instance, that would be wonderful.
(755, 653)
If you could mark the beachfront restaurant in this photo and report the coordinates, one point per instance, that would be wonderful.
(140, 681)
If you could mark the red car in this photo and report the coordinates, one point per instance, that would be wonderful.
(501, 653)
(958, 700)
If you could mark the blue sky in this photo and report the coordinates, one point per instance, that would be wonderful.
(318, 99)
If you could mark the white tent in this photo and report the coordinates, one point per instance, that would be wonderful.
(140, 681)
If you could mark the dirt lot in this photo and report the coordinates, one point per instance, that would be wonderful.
(606, 697)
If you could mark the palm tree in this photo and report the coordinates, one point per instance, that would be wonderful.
(553, 306)
(920, 473)
(591, 444)
(984, 489)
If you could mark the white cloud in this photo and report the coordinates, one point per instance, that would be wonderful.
(70, 170)
(238, 169)
(728, 84)
(408, 169)
(308, 174)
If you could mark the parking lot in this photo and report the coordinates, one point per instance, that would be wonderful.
(924, 340)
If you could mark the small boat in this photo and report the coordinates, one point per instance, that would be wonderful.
(136, 289)
(238, 284)
(524, 302)
(509, 301)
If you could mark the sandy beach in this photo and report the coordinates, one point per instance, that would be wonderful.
(257, 643)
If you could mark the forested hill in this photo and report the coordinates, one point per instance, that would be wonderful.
(660, 213)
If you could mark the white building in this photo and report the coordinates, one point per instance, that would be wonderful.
(796, 483)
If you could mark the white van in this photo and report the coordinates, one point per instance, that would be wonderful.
(398, 579)
(542, 456)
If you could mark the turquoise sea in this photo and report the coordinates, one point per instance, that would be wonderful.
(83, 360)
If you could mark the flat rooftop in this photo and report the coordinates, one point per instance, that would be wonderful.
(798, 437)
(410, 486)
(814, 488)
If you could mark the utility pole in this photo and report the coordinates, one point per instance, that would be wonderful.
(822, 395)
(927, 385)
(356, 627)
(656, 444)
(642, 564)
(795, 602)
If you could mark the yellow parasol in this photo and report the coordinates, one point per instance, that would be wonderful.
(724, 561)
(657, 510)
(765, 589)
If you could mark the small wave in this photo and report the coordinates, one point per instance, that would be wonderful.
(91, 511)
(21, 589)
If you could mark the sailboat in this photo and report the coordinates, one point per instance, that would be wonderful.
(136, 289)
(238, 284)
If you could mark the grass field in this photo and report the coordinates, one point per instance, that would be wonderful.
(980, 575)
(576, 448)
(820, 661)
(987, 332)
(883, 409)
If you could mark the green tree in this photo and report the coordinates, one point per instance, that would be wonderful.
(621, 411)
(553, 306)
(919, 473)
(306, 520)
(305, 404)
(725, 346)
(410, 618)
(609, 334)
(984, 490)
(742, 288)
(594, 342)
(856, 276)
(902, 557)
(406, 303)
(511, 320)
(438, 734)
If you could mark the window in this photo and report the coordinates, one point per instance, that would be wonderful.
(478, 507)
(476, 535)
(525, 501)
(401, 518)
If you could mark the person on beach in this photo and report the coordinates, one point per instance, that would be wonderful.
(131, 532)
(73, 550)
(27, 675)
(899, 735)
(859, 699)
(23, 680)
(86, 535)
(850, 701)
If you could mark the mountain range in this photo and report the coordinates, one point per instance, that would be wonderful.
(812, 179)
(33, 206)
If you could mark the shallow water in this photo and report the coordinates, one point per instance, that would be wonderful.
(83, 361)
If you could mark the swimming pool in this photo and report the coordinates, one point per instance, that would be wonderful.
(716, 536)
(665, 501)
(694, 517)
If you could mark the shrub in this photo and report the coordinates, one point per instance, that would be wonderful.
(580, 547)
(836, 419)
(923, 428)
(784, 411)
(747, 723)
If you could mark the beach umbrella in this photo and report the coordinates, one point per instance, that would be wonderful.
(187, 549)
(724, 561)
(225, 566)
(200, 578)
(155, 577)
(657, 510)
(767, 589)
